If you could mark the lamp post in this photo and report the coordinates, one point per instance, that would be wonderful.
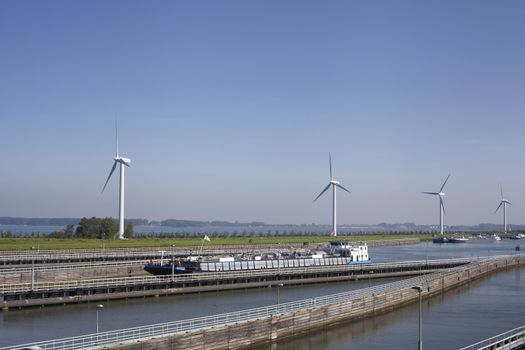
(420, 341)
(99, 306)
(278, 287)
(162, 256)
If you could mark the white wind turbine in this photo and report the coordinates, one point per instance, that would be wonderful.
(334, 185)
(122, 161)
(440, 194)
(503, 202)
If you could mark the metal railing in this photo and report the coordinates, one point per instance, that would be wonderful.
(11, 255)
(88, 265)
(515, 337)
(224, 275)
(169, 328)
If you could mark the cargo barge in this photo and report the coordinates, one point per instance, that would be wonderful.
(336, 253)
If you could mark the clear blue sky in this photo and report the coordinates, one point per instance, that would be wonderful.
(228, 109)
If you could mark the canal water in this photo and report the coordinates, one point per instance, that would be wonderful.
(463, 316)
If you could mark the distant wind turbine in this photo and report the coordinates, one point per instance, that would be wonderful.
(122, 161)
(440, 194)
(503, 202)
(334, 185)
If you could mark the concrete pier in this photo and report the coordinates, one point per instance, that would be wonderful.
(63, 292)
(240, 335)
(253, 327)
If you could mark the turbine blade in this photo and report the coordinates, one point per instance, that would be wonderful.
(125, 161)
(432, 193)
(499, 206)
(501, 190)
(110, 173)
(323, 191)
(509, 203)
(444, 183)
(341, 187)
(330, 160)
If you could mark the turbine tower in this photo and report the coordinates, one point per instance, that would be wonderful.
(503, 202)
(334, 185)
(121, 161)
(440, 194)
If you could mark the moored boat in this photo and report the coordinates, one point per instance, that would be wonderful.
(441, 239)
(336, 253)
(458, 240)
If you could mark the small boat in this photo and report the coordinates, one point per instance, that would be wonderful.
(496, 237)
(442, 239)
(458, 240)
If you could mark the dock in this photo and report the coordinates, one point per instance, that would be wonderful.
(510, 340)
(263, 325)
(35, 293)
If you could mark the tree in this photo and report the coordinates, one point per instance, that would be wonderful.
(69, 231)
(128, 230)
(96, 228)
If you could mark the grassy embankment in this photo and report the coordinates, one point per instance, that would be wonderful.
(25, 243)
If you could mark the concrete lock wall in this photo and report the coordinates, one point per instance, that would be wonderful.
(73, 274)
(267, 329)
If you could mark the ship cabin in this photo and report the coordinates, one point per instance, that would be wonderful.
(358, 253)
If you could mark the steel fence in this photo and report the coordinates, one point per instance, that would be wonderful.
(515, 337)
(206, 276)
(169, 328)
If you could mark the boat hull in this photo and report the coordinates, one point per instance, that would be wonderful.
(159, 270)
(440, 240)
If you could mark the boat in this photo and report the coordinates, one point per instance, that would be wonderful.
(441, 239)
(458, 240)
(335, 253)
(496, 237)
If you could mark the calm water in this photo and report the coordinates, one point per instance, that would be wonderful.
(466, 315)
(458, 318)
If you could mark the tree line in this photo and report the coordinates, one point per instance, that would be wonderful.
(101, 228)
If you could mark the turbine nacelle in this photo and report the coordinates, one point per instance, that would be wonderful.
(125, 161)
(440, 194)
(333, 183)
(122, 161)
(503, 200)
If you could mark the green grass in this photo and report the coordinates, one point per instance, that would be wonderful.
(139, 242)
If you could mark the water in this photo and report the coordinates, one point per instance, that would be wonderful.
(240, 229)
(475, 248)
(27, 325)
(453, 320)
(26, 230)
(463, 316)
(30, 229)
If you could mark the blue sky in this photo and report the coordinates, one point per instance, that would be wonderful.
(228, 109)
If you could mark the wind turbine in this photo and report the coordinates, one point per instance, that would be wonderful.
(334, 185)
(440, 194)
(503, 202)
(121, 161)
